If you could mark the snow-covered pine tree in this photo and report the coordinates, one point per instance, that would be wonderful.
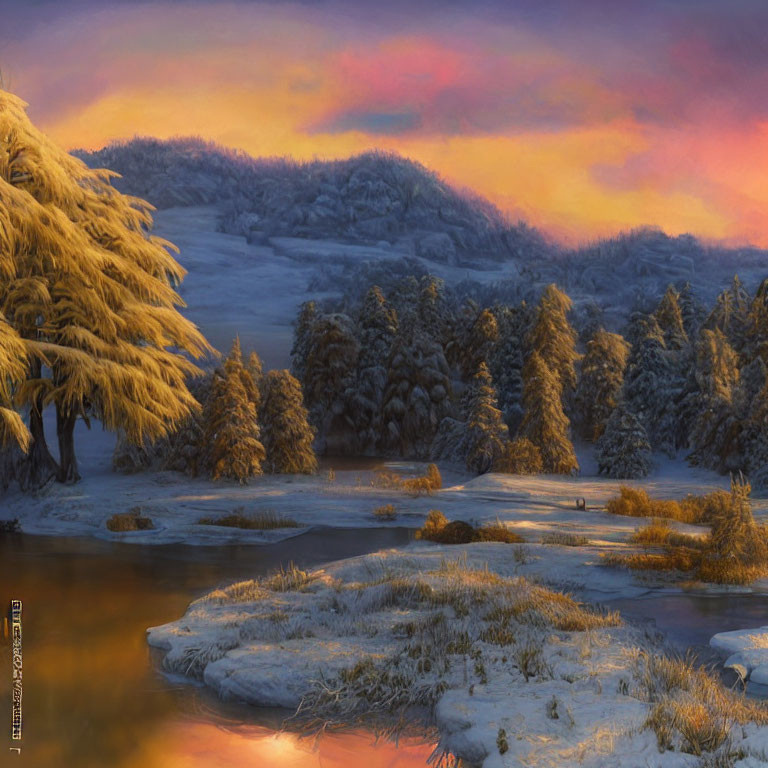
(553, 337)
(506, 361)
(92, 295)
(234, 364)
(231, 433)
(478, 343)
(545, 423)
(417, 396)
(487, 434)
(378, 329)
(653, 383)
(717, 378)
(623, 450)
(731, 314)
(692, 310)
(602, 377)
(756, 333)
(287, 433)
(256, 370)
(670, 320)
(519, 457)
(330, 379)
(432, 309)
(302, 339)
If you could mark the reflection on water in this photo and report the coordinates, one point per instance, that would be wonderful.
(93, 697)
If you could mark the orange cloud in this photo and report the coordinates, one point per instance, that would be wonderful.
(581, 137)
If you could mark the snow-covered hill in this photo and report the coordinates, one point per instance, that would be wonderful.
(274, 232)
(370, 198)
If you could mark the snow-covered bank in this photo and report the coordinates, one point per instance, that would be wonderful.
(517, 674)
(533, 505)
(746, 652)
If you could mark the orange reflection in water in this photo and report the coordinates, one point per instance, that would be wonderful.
(197, 744)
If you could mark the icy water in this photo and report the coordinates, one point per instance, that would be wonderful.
(689, 620)
(93, 692)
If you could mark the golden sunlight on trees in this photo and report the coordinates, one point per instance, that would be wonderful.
(88, 296)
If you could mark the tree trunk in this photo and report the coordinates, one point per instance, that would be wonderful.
(38, 467)
(65, 429)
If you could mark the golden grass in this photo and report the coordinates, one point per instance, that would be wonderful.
(697, 510)
(255, 521)
(431, 481)
(692, 711)
(437, 528)
(129, 521)
(659, 533)
(386, 512)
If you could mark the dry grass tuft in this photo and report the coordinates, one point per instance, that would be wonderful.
(289, 579)
(129, 521)
(562, 539)
(431, 481)
(691, 709)
(387, 512)
(696, 510)
(255, 521)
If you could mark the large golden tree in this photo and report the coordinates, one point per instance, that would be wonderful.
(91, 296)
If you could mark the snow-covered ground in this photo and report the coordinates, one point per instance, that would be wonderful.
(532, 506)
(517, 675)
(233, 287)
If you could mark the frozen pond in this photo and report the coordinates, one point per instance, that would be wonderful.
(93, 693)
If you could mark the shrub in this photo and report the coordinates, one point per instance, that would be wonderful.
(385, 512)
(438, 529)
(455, 532)
(431, 481)
(132, 520)
(256, 521)
(520, 457)
(434, 523)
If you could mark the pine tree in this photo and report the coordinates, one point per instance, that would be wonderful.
(670, 320)
(486, 431)
(302, 339)
(653, 383)
(544, 423)
(330, 379)
(417, 396)
(256, 370)
(432, 310)
(234, 364)
(231, 433)
(506, 361)
(717, 378)
(693, 311)
(478, 343)
(287, 433)
(602, 377)
(92, 297)
(553, 337)
(623, 451)
(731, 314)
(756, 332)
(378, 329)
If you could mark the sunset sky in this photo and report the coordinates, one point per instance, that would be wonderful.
(584, 117)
